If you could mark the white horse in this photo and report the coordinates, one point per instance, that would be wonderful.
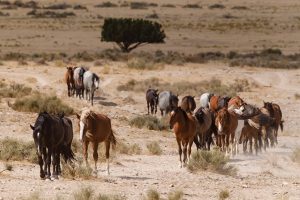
(91, 83)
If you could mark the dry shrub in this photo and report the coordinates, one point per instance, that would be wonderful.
(8, 167)
(214, 161)
(152, 194)
(188, 88)
(106, 4)
(191, 6)
(60, 63)
(77, 170)
(50, 14)
(216, 6)
(40, 103)
(141, 5)
(129, 149)
(240, 8)
(2, 14)
(296, 155)
(87, 193)
(11, 149)
(168, 5)
(175, 195)
(224, 194)
(79, 7)
(154, 15)
(154, 148)
(141, 64)
(59, 6)
(31, 80)
(14, 90)
(297, 96)
(149, 122)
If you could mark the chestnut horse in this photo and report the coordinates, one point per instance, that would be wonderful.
(184, 126)
(226, 122)
(275, 112)
(236, 103)
(95, 128)
(69, 79)
(188, 104)
(217, 102)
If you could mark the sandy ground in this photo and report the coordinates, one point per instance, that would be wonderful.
(270, 175)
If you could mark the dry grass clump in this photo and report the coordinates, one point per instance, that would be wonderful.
(59, 6)
(297, 96)
(40, 103)
(141, 64)
(87, 193)
(50, 14)
(79, 7)
(184, 87)
(152, 194)
(106, 4)
(142, 5)
(14, 90)
(149, 122)
(154, 15)
(224, 194)
(214, 161)
(168, 5)
(11, 149)
(175, 195)
(191, 6)
(129, 149)
(216, 6)
(2, 14)
(296, 155)
(154, 148)
(77, 170)
(240, 8)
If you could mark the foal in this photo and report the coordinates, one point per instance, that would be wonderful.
(184, 126)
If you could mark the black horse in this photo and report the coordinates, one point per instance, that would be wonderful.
(152, 100)
(52, 136)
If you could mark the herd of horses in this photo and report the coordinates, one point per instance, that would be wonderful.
(78, 80)
(230, 120)
(220, 120)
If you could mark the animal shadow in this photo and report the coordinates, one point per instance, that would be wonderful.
(107, 103)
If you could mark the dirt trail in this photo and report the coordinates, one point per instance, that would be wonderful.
(270, 175)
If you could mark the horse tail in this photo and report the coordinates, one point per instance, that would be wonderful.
(112, 139)
(281, 125)
(67, 153)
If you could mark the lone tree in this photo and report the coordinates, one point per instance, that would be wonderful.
(130, 33)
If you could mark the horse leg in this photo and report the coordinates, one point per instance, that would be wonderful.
(255, 143)
(196, 141)
(179, 151)
(85, 151)
(260, 141)
(92, 97)
(161, 112)
(54, 164)
(41, 162)
(190, 149)
(148, 107)
(107, 147)
(95, 154)
(250, 143)
(184, 152)
(69, 89)
(227, 137)
(86, 94)
(48, 163)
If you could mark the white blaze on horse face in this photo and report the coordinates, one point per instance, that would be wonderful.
(220, 128)
(240, 110)
(81, 124)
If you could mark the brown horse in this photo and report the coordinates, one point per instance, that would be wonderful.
(217, 102)
(226, 122)
(152, 100)
(204, 131)
(188, 104)
(249, 133)
(184, 126)
(275, 112)
(69, 79)
(95, 128)
(236, 103)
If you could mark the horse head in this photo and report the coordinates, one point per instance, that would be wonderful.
(199, 115)
(84, 123)
(173, 101)
(221, 121)
(38, 131)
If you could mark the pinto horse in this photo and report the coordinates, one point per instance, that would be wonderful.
(184, 126)
(69, 79)
(275, 112)
(236, 103)
(226, 122)
(95, 128)
(188, 104)
(52, 136)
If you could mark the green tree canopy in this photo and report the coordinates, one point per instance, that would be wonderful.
(130, 33)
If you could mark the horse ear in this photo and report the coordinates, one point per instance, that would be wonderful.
(32, 127)
(77, 115)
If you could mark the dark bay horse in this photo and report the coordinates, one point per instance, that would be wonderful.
(152, 100)
(188, 104)
(275, 112)
(69, 79)
(204, 128)
(52, 136)
(95, 128)
(184, 126)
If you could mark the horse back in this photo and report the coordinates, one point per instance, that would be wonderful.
(101, 128)
(214, 103)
